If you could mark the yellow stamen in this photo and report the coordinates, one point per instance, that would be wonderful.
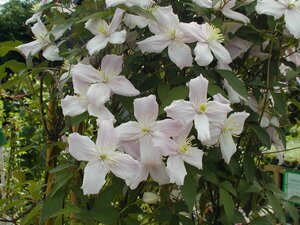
(202, 108)
(214, 33)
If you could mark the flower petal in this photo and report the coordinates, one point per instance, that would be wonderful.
(94, 177)
(220, 52)
(73, 105)
(227, 145)
(215, 130)
(98, 94)
(271, 8)
(235, 16)
(140, 175)
(182, 110)
(202, 127)
(217, 112)
(154, 44)
(116, 20)
(94, 24)
(193, 157)
(131, 147)
(107, 138)
(159, 174)
(96, 44)
(176, 169)
(39, 30)
(180, 54)
(51, 53)
(121, 86)
(117, 37)
(101, 112)
(204, 3)
(82, 148)
(112, 65)
(235, 122)
(291, 18)
(165, 144)
(149, 154)
(129, 131)
(168, 127)
(146, 109)
(198, 90)
(133, 20)
(31, 48)
(203, 54)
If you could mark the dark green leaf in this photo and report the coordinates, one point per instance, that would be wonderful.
(261, 134)
(228, 203)
(189, 191)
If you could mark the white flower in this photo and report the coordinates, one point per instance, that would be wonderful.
(198, 109)
(289, 8)
(102, 158)
(222, 133)
(150, 197)
(42, 42)
(129, 3)
(105, 33)
(168, 34)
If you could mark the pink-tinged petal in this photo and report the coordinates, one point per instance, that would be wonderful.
(149, 154)
(220, 52)
(204, 3)
(101, 112)
(82, 148)
(215, 130)
(157, 28)
(131, 147)
(73, 105)
(271, 8)
(291, 18)
(233, 96)
(176, 169)
(96, 44)
(117, 37)
(165, 144)
(94, 24)
(107, 138)
(191, 32)
(227, 145)
(169, 127)
(51, 53)
(235, 122)
(193, 157)
(133, 20)
(123, 166)
(236, 16)
(180, 54)
(83, 76)
(98, 94)
(121, 86)
(203, 54)
(183, 134)
(94, 177)
(159, 174)
(110, 3)
(31, 48)
(129, 131)
(117, 19)
(166, 18)
(146, 109)
(237, 46)
(216, 111)
(202, 127)
(141, 175)
(39, 30)
(154, 44)
(112, 65)
(220, 98)
(182, 110)
(198, 90)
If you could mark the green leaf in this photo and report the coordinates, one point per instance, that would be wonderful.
(249, 168)
(292, 210)
(291, 74)
(279, 101)
(189, 190)
(228, 187)
(175, 94)
(185, 221)
(275, 204)
(52, 205)
(33, 213)
(228, 203)
(234, 82)
(261, 134)
(261, 221)
(7, 46)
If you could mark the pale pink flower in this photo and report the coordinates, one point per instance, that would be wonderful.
(102, 158)
(222, 133)
(168, 34)
(153, 136)
(289, 8)
(198, 109)
(42, 42)
(208, 38)
(105, 33)
(186, 153)
(104, 82)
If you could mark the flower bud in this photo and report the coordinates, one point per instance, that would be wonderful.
(150, 198)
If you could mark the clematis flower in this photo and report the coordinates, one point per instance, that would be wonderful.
(42, 42)
(153, 136)
(75, 105)
(222, 133)
(208, 39)
(102, 83)
(198, 109)
(258, 107)
(289, 8)
(204, 3)
(185, 153)
(105, 33)
(102, 158)
(168, 34)
(129, 3)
